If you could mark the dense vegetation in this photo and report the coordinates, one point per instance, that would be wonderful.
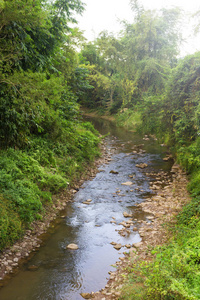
(43, 144)
(139, 77)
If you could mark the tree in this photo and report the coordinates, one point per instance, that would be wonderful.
(34, 47)
(151, 45)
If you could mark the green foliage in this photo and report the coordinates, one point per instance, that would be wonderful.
(29, 177)
(129, 119)
(175, 273)
(43, 145)
(124, 70)
(138, 77)
(174, 116)
(10, 224)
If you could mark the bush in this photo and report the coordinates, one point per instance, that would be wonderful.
(10, 224)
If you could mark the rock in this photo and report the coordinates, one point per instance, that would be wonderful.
(85, 202)
(113, 243)
(142, 166)
(32, 268)
(123, 224)
(87, 295)
(72, 247)
(132, 252)
(122, 258)
(127, 183)
(89, 200)
(127, 215)
(114, 172)
(150, 217)
(175, 168)
(113, 222)
(138, 245)
(167, 158)
(118, 246)
(131, 176)
(16, 259)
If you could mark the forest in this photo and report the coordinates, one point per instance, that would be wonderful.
(48, 70)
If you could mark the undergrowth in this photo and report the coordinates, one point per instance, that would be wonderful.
(29, 177)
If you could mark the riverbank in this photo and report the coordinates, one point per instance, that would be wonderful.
(13, 257)
(163, 206)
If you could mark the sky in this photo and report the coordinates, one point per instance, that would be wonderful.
(102, 15)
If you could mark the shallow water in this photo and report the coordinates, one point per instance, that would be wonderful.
(64, 274)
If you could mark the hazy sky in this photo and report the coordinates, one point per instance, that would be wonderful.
(104, 15)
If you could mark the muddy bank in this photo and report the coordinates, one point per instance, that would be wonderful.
(163, 206)
(13, 257)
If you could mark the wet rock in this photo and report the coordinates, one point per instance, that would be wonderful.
(127, 215)
(128, 183)
(167, 158)
(113, 243)
(72, 247)
(33, 268)
(131, 176)
(89, 200)
(142, 166)
(87, 295)
(114, 172)
(123, 224)
(113, 222)
(118, 246)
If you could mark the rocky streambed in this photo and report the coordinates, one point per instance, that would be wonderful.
(12, 258)
(114, 213)
(170, 195)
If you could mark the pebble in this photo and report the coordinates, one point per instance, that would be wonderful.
(72, 247)
(118, 246)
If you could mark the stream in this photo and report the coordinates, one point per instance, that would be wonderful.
(61, 274)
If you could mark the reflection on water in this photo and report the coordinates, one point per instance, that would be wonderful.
(54, 273)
